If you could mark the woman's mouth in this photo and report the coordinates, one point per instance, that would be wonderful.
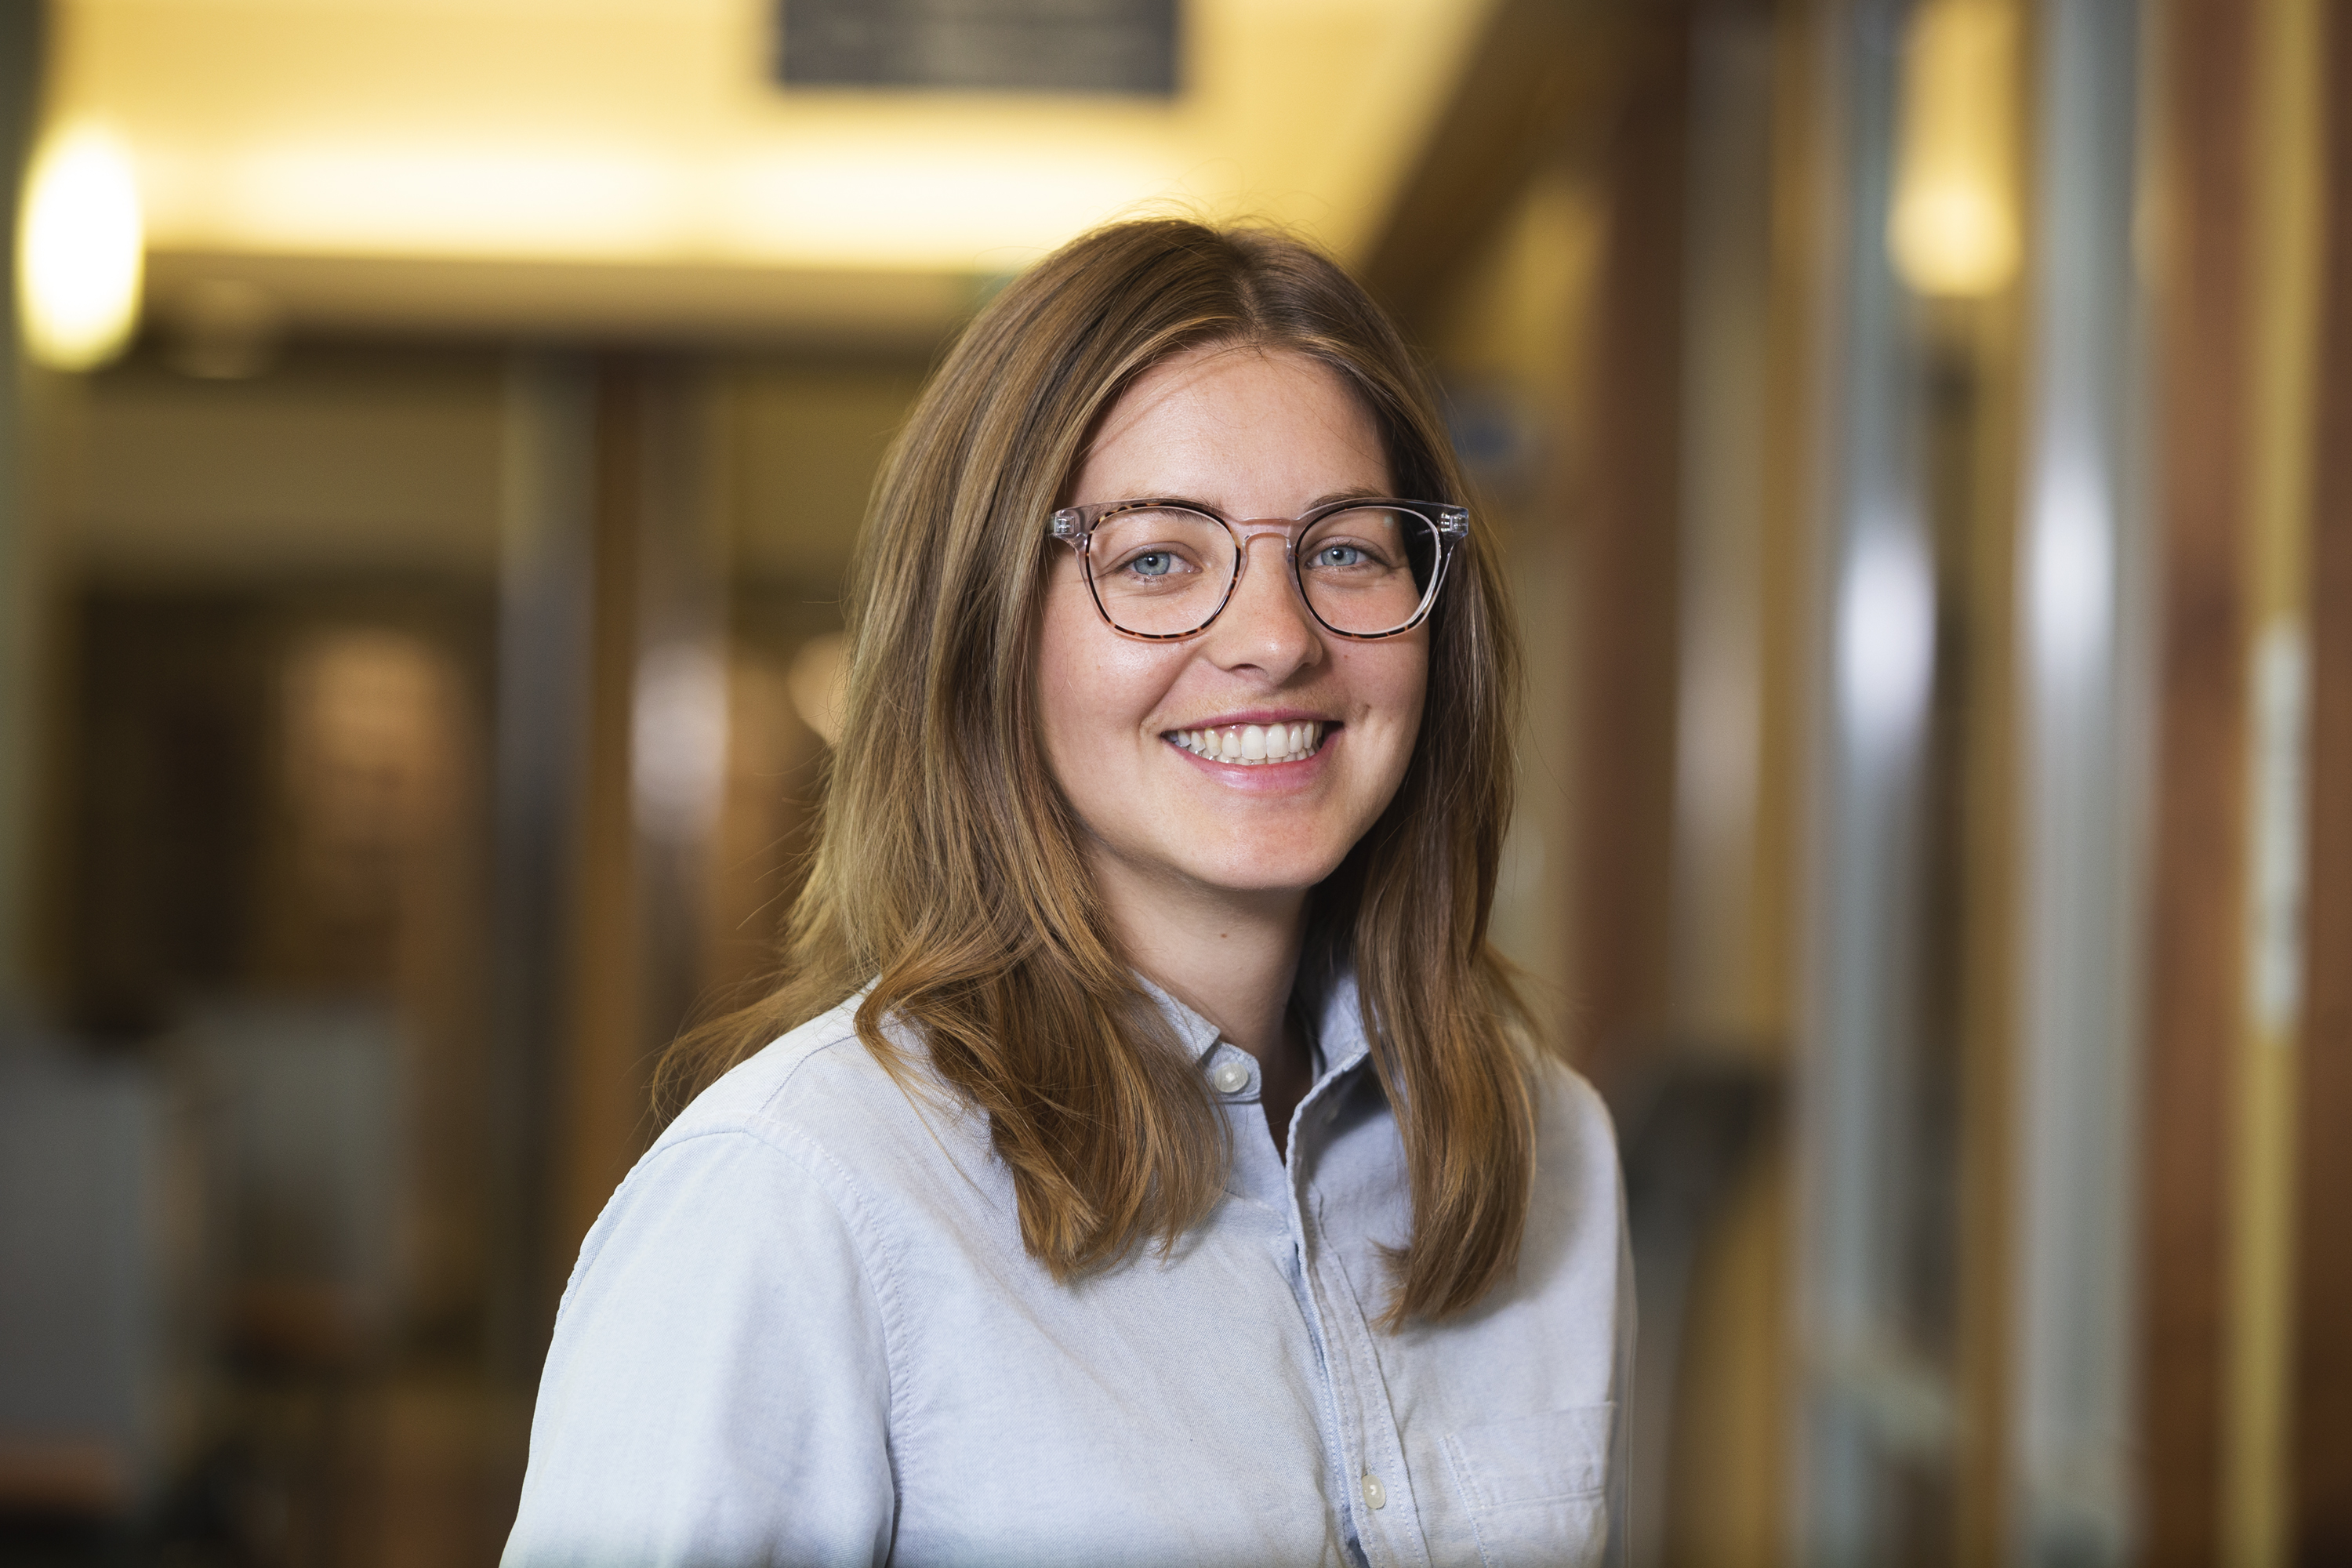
(1249, 744)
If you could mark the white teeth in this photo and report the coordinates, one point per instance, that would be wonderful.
(1249, 744)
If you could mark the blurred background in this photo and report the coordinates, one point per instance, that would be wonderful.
(1920, 436)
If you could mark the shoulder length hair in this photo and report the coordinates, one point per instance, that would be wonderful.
(949, 867)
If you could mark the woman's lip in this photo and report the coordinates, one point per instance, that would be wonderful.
(1257, 772)
(1260, 718)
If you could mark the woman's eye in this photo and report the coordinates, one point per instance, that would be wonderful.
(1340, 555)
(1148, 565)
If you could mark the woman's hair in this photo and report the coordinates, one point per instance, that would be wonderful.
(948, 868)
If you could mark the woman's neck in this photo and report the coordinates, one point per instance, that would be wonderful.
(1233, 961)
(1232, 958)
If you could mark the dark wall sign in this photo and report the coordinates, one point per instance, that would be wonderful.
(980, 46)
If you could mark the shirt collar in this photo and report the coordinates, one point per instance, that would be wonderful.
(1338, 1023)
(1198, 1035)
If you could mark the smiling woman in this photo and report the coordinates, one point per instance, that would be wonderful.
(1145, 1158)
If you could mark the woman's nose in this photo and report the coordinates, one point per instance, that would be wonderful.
(1266, 624)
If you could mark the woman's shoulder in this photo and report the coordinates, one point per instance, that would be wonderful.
(819, 1094)
(823, 1056)
(1561, 1087)
(1573, 1123)
(808, 1134)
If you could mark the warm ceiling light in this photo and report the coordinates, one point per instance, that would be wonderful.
(1954, 226)
(81, 251)
(980, 203)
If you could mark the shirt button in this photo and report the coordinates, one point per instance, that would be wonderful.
(1230, 1078)
(1374, 1493)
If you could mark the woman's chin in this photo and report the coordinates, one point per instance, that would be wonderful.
(1269, 877)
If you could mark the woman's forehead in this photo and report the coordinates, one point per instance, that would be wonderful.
(1195, 415)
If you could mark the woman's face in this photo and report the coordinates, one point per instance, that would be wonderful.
(1249, 435)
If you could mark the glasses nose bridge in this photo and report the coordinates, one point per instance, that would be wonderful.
(1289, 591)
(1247, 532)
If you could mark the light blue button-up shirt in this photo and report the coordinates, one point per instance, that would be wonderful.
(806, 1331)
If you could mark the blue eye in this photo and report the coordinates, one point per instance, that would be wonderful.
(1340, 555)
(1153, 563)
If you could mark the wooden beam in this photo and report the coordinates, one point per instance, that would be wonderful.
(1540, 85)
(2203, 448)
(1621, 914)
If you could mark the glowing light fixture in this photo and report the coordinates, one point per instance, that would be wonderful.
(2070, 555)
(1953, 230)
(82, 246)
(1886, 635)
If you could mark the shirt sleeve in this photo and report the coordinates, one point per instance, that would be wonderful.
(718, 1390)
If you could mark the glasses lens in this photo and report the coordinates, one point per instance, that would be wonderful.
(1367, 569)
(1161, 571)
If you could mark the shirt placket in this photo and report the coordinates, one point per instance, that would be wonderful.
(1388, 1515)
(1378, 1492)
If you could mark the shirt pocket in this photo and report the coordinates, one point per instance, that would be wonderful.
(1537, 1485)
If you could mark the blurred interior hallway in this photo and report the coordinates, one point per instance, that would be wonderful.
(1918, 435)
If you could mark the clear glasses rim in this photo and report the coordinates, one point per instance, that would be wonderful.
(1075, 526)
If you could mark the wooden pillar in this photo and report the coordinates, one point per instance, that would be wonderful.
(603, 1083)
(1622, 916)
(2202, 449)
(611, 752)
(655, 750)
(2320, 1519)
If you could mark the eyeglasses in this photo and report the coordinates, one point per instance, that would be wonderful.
(1165, 569)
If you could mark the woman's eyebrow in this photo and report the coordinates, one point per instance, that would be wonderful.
(1163, 497)
(1354, 492)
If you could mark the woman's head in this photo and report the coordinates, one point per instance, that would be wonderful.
(1000, 740)
(1124, 364)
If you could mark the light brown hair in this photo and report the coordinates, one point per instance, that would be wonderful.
(950, 869)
